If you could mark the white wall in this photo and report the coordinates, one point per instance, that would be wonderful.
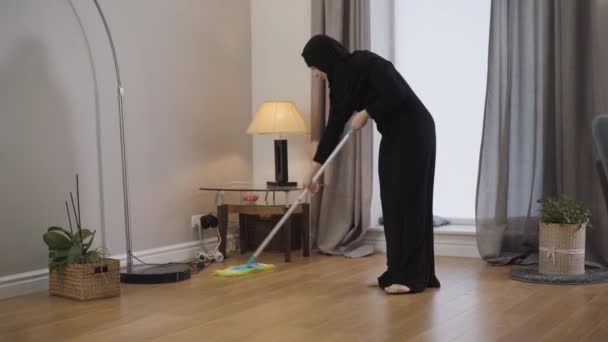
(279, 30)
(441, 48)
(47, 129)
(186, 68)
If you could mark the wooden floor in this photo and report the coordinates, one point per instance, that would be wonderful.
(320, 299)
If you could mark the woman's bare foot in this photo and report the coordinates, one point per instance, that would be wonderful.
(396, 289)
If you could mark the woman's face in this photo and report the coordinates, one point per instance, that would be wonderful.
(318, 73)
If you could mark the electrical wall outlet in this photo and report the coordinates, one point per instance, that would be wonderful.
(196, 221)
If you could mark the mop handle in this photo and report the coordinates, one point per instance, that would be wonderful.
(299, 199)
(332, 155)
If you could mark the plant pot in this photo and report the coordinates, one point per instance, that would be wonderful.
(86, 281)
(561, 249)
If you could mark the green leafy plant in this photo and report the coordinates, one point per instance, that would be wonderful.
(564, 210)
(69, 247)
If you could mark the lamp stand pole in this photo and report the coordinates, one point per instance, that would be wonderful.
(123, 143)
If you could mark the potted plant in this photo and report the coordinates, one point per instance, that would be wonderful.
(562, 236)
(76, 270)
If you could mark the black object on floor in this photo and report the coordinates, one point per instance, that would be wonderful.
(155, 274)
(530, 274)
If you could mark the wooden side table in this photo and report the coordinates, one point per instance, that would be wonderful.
(244, 209)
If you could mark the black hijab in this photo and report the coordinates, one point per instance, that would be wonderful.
(324, 52)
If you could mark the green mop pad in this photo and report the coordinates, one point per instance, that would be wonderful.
(250, 267)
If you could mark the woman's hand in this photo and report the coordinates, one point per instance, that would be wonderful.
(359, 120)
(313, 187)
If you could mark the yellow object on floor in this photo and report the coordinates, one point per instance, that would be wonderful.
(241, 270)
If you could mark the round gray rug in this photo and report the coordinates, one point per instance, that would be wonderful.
(530, 274)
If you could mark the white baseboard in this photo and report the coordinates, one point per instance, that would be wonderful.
(24, 283)
(35, 281)
(454, 241)
(180, 251)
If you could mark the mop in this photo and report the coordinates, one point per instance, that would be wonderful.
(252, 266)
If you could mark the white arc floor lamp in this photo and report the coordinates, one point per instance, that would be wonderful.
(141, 273)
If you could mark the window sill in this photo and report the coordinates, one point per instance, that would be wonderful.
(455, 240)
(451, 229)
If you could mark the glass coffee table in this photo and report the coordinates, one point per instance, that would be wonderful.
(266, 205)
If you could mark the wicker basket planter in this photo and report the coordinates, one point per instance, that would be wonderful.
(86, 281)
(561, 249)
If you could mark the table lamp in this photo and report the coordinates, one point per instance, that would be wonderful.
(279, 117)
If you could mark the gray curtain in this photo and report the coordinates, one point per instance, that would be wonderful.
(547, 80)
(340, 214)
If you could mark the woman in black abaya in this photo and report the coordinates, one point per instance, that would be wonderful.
(366, 85)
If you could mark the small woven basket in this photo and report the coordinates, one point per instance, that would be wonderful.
(86, 281)
(561, 249)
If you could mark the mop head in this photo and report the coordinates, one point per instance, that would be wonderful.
(241, 270)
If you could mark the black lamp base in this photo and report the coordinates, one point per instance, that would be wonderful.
(282, 184)
(281, 172)
(155, 274)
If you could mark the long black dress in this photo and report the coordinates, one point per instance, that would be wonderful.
(364, 80)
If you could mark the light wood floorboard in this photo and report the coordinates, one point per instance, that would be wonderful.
(320, 299)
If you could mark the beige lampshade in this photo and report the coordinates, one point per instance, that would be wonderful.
(275, 117)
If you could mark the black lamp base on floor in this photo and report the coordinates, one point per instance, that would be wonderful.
(155, 274)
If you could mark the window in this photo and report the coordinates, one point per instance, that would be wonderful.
(441, 49)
